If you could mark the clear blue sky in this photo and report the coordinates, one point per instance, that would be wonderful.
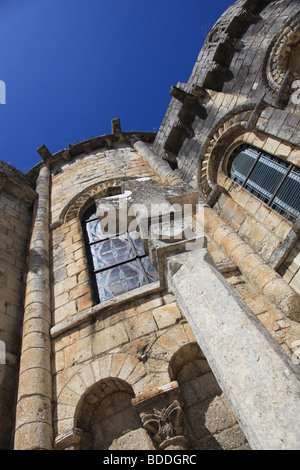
(71, 66)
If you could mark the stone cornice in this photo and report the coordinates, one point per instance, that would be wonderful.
(15, 182)
(85, 147)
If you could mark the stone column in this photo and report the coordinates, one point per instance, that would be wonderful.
(33, 429)
(263, 276)
(161, 167)
(256, 375)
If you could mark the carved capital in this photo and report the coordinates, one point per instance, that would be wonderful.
(161, 414)
(165, 425)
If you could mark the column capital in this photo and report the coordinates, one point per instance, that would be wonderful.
(161, 414)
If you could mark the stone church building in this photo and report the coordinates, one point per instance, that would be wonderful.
(150, 281)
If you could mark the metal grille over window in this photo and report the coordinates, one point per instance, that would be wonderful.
(118, 262)
(274, 181)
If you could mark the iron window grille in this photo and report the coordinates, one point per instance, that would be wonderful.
(272, 180)
(118, 262)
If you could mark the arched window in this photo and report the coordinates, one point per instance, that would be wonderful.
(118, 262)
(274, 181)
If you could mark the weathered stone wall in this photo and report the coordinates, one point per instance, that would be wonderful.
(123, 347)
(70, 179)
(290, 269)
(263, 228)
(242, 90)
(16, 199)
(284, 330)
(135, 345)
(115, 364)
(73, 188)
(210, 422)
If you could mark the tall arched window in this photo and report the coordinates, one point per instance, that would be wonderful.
(118, 262)
(274, 181)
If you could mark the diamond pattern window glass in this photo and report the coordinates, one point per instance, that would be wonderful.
(274, 181)
(118, 262)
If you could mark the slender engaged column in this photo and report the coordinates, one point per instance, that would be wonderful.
(276, 289)
(33, 428)
(161, 167)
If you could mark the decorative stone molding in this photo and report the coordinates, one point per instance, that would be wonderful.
(281, 52)
(234, 122)
(79, 148)
(80, 202)
(161, 414)
(89, 315)
(107, 188)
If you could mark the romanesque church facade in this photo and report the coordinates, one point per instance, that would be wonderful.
(150, 281)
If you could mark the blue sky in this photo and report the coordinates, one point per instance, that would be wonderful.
(71, 66)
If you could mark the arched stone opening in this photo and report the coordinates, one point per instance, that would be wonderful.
(220, 139)
(209, 422)
(294, 62)
(282, 63)
(108, 419)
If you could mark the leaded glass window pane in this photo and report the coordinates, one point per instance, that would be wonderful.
(118, 263)
(94, 231)
(112, 251)
(137, 242)
(150, 270)
(266, 176)
(120, 279)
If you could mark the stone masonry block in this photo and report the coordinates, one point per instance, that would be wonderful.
(167, 315)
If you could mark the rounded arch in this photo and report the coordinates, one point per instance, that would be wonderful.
(228, 129)
(94, 396)
(280, 55)
(209, 418)
(127, 371)
(186, 354)
(117, 368)
(86, 197)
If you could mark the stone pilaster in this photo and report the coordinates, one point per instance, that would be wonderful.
(256, 375)
(33, 428)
